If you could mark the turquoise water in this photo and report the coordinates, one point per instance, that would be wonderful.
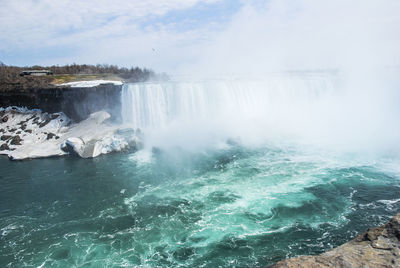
(223, 207)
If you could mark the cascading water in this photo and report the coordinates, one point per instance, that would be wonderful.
(149, 105)
(188, 113)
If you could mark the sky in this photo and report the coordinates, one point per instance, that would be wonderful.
(202, 36)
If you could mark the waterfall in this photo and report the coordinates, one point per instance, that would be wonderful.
(154, 105)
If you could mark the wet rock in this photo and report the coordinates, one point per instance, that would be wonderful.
(45, 122)
(4, 147)
(378, 247)
(23, 122)
(16, 140)
(73, 146)
(54, 116)
(36, 120)
(4, 119)
(50, 136)
(5, 137)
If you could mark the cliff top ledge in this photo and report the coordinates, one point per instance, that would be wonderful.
(71, 76)
(27, 83)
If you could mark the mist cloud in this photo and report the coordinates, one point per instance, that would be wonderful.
(307, 34)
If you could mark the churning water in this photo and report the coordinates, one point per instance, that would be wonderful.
(228, 177)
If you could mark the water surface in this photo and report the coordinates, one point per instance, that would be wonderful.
(227, 206)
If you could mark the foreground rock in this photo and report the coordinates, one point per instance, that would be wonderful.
(33, 134)
(377, 247)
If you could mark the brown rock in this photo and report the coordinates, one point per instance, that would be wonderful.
(378, 247)
(4, 147)
(23, 122)
(16, 140)
(5, 137)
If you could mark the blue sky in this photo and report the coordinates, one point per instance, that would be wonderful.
(195, 36)
(41, 32)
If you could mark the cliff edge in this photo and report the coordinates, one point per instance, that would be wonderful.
(76, 102)
(376, 248)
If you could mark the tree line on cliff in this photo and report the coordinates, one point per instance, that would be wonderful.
(10, 78)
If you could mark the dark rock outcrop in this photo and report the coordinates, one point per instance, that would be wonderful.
(50, 136)
(4, 147)
(5, 137)
(45, 122)
(378, 247)
(16, 140)
(76, 102)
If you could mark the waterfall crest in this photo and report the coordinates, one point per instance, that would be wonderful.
(154, 105)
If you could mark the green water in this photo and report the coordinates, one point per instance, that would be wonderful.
(226, 207)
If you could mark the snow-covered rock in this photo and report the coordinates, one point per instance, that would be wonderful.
(31, 134)
(92, 83)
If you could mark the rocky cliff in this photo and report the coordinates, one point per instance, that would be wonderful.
(76, 102)
(377, 247)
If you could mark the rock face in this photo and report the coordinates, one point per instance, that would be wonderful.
(76, 102)
(378, 247)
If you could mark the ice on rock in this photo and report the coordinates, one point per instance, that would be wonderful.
(44, 134)
(88, 140)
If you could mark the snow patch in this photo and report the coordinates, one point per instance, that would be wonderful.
(92, 83)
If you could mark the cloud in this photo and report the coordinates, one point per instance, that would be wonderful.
(203, 36)
(75, 25)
